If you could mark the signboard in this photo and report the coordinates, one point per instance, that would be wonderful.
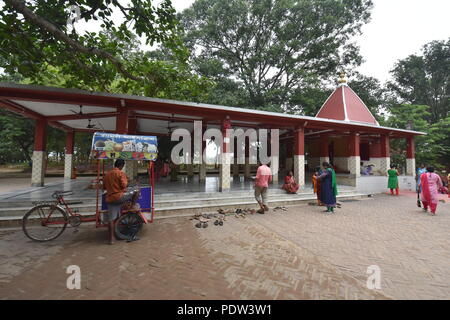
(121, 146)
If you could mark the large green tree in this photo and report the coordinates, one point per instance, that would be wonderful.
(39, 41)
(425, 79)
(274, 48)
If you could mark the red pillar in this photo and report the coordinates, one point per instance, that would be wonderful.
(299, 142)
(224, 183)
(39, 154)
(40, 135)
(385, 146)
(132, 125)
(324, 146)
(226, 124)
(411, 149)
(410, 157)
(353, 144)
(299, 156)
(122, 121)
(70, 138)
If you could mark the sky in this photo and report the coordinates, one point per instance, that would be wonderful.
(398, 28)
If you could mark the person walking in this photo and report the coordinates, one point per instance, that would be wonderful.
(430, 183)
(393, 179)
(328, 187)
(262, 180)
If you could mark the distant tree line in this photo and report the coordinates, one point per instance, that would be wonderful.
(282, 56)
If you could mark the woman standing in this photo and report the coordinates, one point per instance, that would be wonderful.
(316, 183)
(328, 187)
(393, 179)
(430, 183)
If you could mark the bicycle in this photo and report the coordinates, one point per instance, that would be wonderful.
(47, 220)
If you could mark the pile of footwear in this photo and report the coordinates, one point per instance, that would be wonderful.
(204, 218)
(220, 216)
(280, 208)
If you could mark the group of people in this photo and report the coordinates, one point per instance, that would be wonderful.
(324, 184)
(428, 186)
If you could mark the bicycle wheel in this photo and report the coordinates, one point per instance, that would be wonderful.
(44, 222)
(128, 225)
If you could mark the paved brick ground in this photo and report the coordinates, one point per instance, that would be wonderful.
(298, 254)
(411, 247)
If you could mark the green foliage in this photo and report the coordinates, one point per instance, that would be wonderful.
(38, 43)
(432, 149)
(16, 138)
(425, 79)
(271, 50)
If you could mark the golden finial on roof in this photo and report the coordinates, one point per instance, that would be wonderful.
(343, 79)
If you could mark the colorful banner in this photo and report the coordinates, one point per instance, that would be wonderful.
(121, 146)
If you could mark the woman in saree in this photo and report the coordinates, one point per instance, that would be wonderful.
(316, 183)
(289, 184)
(393, 179)
(430, 183)
(328, 187)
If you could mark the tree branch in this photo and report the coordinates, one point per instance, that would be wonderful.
(20, 7)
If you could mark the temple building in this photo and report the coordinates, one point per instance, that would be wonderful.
(344, 132)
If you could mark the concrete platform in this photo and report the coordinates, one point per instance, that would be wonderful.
(172, 199)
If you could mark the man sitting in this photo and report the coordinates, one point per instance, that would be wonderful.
(115, 183)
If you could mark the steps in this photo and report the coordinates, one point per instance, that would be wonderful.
(172, 205)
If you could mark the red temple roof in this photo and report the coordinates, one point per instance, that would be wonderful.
(344, 104)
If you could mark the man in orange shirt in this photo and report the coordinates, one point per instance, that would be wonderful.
(115, 183)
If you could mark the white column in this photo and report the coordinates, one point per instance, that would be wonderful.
(202, 172)
(299, 169)
(68, 166)
(354, 166)
(235, 167)
(38, 169)
(275, 167)
(131, 169)
(247, 171)
(224, 177)
(190, 170)
(411, 167)
(385, 165)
